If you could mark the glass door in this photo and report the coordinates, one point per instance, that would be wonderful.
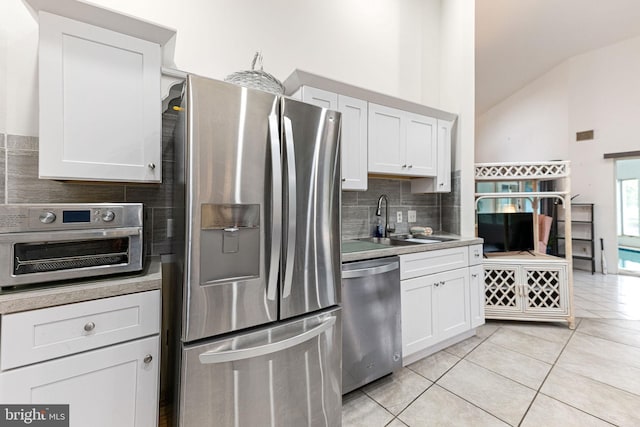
(628, 214)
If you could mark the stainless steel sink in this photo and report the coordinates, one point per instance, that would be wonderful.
(388, 241)
(405, 240)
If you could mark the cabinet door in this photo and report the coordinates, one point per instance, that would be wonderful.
(386, 140)
(320, 98)
(420, 145)
(545, 289)
(353, 142)
(443, 177)
(503, 290)
(451, 305)
(418, 325)
(100, 115)
(113, 386)
(476, 295)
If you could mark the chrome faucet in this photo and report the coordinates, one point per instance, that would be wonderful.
(387, 227)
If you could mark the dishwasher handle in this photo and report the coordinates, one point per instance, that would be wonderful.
(371, 271)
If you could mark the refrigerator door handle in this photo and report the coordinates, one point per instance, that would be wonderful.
(214, 356)
(276, 207)
(291, 218)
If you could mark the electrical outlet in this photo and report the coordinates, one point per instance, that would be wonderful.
(411, 216)
(399, 217)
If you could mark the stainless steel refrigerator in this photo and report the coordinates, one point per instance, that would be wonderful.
(258, 204)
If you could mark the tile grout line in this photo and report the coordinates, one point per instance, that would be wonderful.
(450, 368)
(563, 402)
(573, 332)
(462, 398)
(535, 336)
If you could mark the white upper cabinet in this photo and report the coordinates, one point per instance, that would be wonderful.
(100, 93)
(100, 115)
(354, 143)
(383, 135)
(401, 143)
(421, 145)
(319, 97)
(441, 183)
(353, 133)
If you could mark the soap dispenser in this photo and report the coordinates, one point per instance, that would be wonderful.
(379, 231)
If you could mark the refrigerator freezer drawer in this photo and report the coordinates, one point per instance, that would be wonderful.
(284, 375)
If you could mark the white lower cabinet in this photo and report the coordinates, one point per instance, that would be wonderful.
(100, 357)
(112, 386)
(434, 308)
(476, 288)
(441, 305)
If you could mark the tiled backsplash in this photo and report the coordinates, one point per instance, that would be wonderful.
(438, 211)
(20, 184)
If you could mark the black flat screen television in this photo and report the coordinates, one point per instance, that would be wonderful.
(506, 232)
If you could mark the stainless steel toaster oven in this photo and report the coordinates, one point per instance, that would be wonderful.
(43, 243)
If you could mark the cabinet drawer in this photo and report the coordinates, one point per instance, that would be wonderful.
(475, 254)
(423, 263)
(37, 335)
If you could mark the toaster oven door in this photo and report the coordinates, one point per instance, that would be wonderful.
(61, 255)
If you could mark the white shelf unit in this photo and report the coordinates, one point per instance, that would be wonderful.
(535, 286)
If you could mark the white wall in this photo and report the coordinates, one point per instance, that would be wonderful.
(530, 125)
(375, 44)
(19, 61)
(598, 90)
(3, 67)
(457, 93)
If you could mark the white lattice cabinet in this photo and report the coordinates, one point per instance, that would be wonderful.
(529, 286)
(534, 286)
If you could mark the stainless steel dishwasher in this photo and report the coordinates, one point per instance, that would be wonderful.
(371, 335)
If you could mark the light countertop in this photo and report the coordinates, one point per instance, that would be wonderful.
(356, 250)
(52, 294)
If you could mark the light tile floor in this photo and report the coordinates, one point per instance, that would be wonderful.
(522, 373)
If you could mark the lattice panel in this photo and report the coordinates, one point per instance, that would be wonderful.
(500, 288)
(496, 171)
(543, 289)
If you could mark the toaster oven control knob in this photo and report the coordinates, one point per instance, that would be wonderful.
(108, 216)
(47, 217)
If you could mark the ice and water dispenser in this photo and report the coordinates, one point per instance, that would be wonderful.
(229, 242)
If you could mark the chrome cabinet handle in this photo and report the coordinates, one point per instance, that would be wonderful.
(276, 208)
(152, 166)
(410, 166)
(474, 276)
(404, 166)
(147, 359)
(89, 326)
(436, 284)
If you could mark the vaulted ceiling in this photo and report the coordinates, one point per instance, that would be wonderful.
(519, 40)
